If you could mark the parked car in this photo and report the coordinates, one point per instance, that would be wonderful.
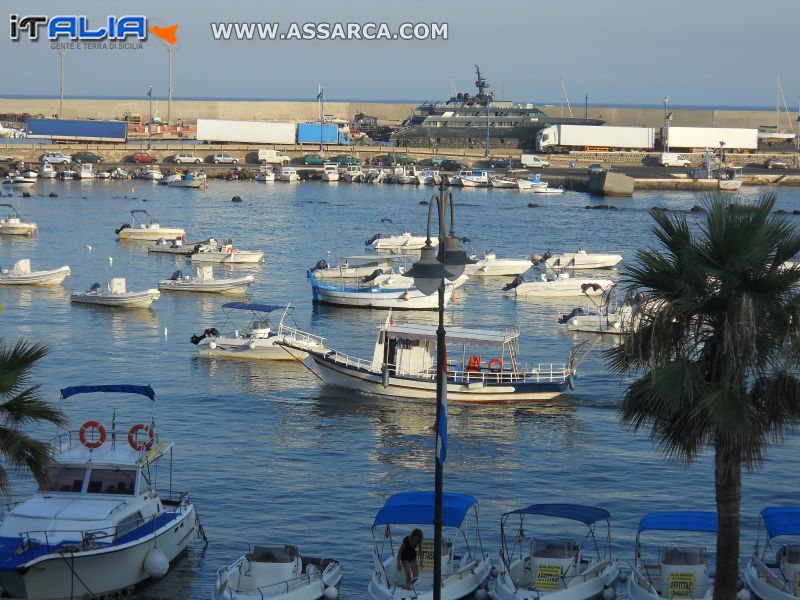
(438, 161)
(347, 159)
(272, 157)
(532, 161)
(224, 158)
(498, 163)
(452, 165)
(87, 157)
(56, 158)
(6, 158)
(399, 158)
(671, 159)
(776, 163)
(144, 157)
(596, 168)
(186, 157)
(314, 159)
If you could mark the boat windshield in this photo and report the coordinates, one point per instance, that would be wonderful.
(112, 481)
(64, 479)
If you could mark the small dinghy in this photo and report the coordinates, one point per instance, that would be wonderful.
(397, 244)
(491, 266)
(558, 285)
(204, 281)
(680, 571)
(19, 181)
(187, 180)
(116, 294)
(778, 578)
(168, 178)
(534, 567)
(225, 253)
(579, 260)
(14, 225)
(278, 573)
(177, 246)
(22, 274)
(150, 230)
(531, 183)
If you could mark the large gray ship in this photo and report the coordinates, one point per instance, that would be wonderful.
(466, 121)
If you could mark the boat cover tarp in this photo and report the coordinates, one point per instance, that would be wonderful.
(679, 521)
(416, 508)
(144, 390)
(781, 520)
(575, 512)
(455, 335)
(265, 308)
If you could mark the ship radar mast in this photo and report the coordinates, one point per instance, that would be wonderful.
(483, 96)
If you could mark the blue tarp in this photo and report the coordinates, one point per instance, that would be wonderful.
(679, 521)
(575, 512)
(144, 390)
(781, 520)
(266, 308)
(416, 508)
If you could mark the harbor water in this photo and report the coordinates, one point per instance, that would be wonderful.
(270, 455)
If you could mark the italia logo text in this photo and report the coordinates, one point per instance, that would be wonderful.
(78, 28)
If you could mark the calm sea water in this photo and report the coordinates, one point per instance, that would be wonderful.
(267, 453)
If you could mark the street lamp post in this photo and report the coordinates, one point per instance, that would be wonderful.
(150, 120)
(170, 50)
(430, 275)
(665, 142)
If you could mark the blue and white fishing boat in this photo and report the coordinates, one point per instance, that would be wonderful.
(778, 578)
(554, 567)
(98, 525)
(465, 565)
(382, 293)
(682, 569)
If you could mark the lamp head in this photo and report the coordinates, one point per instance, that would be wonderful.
(454, 258)
(427, 272)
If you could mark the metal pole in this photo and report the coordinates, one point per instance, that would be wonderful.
(798, 123)
(170, 48)
(586, 107)
(486, 151)
(150, 120)
(441, 381)
(61, 86)
(665, 141)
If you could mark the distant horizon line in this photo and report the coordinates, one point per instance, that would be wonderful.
(375, 101)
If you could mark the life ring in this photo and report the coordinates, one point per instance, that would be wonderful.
(496, 365)
(133, 435)
(91, 426)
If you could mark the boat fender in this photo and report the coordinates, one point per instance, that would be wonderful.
(494, 573)
(252, 345)
(212, 346)
(609, 593)
(622, 577)
(385, 377)
(480, 594)
(743, 594)
(571, 381)
(496, 365)
(133, 437)
(155, 563)
(331, 593)
(88, 426)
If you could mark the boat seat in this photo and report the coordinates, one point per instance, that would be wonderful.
(553, 549)
(273, 554)
(683, 556)
(790, 554)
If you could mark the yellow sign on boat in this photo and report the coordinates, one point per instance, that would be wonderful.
(548, 578)
(425, 557)
(681, 585)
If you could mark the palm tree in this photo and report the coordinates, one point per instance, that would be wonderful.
(716, 346)
(20, 405)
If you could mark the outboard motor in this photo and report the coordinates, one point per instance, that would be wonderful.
(372, 276)
(321, 265)
(368, 242)
(576, 312)
(211, 331)
(545, 257)
(590, 286)
(121, 227)
(519, 279)
(176, 276)
(95, 287)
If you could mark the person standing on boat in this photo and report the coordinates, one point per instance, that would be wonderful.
(407, 556)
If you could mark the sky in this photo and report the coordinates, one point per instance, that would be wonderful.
(696, 52)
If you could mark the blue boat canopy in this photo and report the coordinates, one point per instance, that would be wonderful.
(265, 308)
(679, 521)
(575, 512)
(416, 508)
(144, 390)
(781, 520)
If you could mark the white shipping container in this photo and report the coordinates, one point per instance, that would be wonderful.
(248, 132)
(710, 137)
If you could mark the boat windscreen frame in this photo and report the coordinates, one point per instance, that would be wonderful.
(136, 211)
(13, 208)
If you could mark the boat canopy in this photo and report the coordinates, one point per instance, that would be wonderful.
(781, 520)
(144, 390)
(140, 211)
(576, 512)
(679, 521)
(416, 508)
(457, 335)
(265, 308)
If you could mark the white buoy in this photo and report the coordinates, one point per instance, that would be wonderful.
(331, 593)
(166, 332)
(609, 593)
(481, 594)
(213, 345)
(155, 563)
(88, 247)
(111, 260)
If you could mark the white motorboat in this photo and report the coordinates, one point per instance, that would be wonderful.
(428, 177)
(354, 267)
(29, 174)
(405, 175)
(47, 171)
(353, 173)
(14, 225)
(116, 294)
(330, 172)
(278, 573)
(103, 174)
(225, 253)
(288, 174)
(120, 173)
(177, 246)
(456, 179)
(546, 189)
(679, 571)
(475, 178)
(260, 340)
(265, 174)
(68, 174)
(491, 266)
(531, 183)
(398, 244)
(499, 181)
(18, 181)
(187, 180)
(776, 578)
(465, 566)
(558, 285)
(167, 178)
(579, 260)
(377, 294)
(151, 173)
(86, 171)
(151, 230)
(728, 179)
(22, 274)
(204, 281)
(403, 366)
(533, 567)
(98, 526)
(596, 320)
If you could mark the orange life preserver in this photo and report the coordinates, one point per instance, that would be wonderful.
(90, 426)
(496, 365)
(229, 249)
(133, 435)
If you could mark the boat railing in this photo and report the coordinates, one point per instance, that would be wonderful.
(540, 373)
(270, 590)
(300, 337)
(351, 361)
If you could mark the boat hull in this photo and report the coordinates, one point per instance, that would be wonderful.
(216, 286)
(583, 261)
(561, 288)
(309, 587)
(404, 299)
(761, 587)
(127, 300)
(100, 571)
(240, 348)
(457, 585)
(498, 268)
(151, 235)
(17, 229)
(186, 183)
(595, 580)
(236, 257)
(51, 277)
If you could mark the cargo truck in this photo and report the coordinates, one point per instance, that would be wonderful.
(246, 132)
(563, 138)
(700, 138)
(77, 130)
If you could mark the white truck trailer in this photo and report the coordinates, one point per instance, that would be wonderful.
(247, 132)
(700, 138)
(563, 138)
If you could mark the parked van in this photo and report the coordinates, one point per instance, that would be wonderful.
(671, 159)
(272, 157)
(533, 162)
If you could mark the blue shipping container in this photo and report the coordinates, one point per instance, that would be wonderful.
(77, 130)
(313, 133)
